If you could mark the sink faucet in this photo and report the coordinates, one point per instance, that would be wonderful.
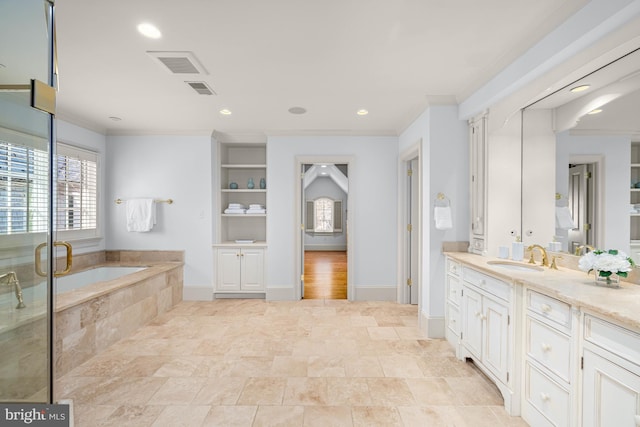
(585, 247)
(545, 259)
(12, 279)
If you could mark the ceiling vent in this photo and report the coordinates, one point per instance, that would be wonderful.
(178, 62)
(201, 87)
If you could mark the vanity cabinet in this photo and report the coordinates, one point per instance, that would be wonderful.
(486, 333)
(454, 297)
(240, 269)
(611, 375)
(548, 396)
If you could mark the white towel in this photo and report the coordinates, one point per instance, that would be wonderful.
(256, 211)
(234, 211)
(442, 217)
(141, 214)
(256, 206)
(236, 206)
(564, 221)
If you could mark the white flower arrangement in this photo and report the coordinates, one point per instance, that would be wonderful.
(606, 263)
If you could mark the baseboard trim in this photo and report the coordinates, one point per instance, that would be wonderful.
(197, 293)
(433, 327)
(238, 295)
(374, 293)
(281, 294)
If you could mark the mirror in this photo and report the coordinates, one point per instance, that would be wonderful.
(594, 123)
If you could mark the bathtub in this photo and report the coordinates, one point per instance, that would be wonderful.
(94, 275)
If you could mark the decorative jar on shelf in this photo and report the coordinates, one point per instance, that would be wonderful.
(233, 185)
(263, 183)
(250, 184)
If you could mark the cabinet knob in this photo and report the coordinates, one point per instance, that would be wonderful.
(546, 308)
(478, 314)
(546, 347)
(544, 397)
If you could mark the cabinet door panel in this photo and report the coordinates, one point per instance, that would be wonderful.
(228, 270)
(252, 273)
(472, 321)
(494, 348)
(611, 394)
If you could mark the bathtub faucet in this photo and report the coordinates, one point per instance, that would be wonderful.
(12, 279)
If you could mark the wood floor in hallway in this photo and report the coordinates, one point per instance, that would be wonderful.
(325, 274)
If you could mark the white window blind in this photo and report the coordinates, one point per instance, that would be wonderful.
(23, 189)
(76, 188)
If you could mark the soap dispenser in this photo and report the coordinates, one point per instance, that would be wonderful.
(517, 249)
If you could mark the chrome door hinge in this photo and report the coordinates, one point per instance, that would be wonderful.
(582, 362)
(507, 376)
(508, 319)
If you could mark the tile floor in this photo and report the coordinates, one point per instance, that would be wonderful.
(307, 363)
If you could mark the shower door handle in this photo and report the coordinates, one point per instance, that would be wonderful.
(38, 263)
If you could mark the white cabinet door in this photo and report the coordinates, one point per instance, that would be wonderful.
(252, 270)
(472, 321)
(611, 394)
(228, 270)
(496, 332)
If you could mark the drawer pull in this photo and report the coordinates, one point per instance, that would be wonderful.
(544, 397)
(546, 347)
(546, 308)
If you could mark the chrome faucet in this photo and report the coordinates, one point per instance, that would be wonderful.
(545, 259)
(12, 279)
(585, 247)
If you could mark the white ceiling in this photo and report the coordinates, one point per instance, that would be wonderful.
(331, 57)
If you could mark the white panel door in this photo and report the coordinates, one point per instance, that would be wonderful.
(228, 270)
(252, 270)
(611, 394)
(496, 331)
(472, 322)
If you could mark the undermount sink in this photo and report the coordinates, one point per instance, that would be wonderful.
(516, 266)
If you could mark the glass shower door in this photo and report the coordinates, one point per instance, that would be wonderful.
(26, 135)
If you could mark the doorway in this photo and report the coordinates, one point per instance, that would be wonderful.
(324, 240)
(581, 198)
(409, 226)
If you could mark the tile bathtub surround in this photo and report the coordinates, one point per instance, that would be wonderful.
(88, 320)
(305, 363)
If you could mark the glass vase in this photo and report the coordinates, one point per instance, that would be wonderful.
(611, 281)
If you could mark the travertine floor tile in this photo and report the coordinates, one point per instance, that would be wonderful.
(253, 363)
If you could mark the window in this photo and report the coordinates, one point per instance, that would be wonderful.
(324, 215)
(76, 188)
(24, 188)
(323, 209)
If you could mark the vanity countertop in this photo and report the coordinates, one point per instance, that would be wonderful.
(571, 286)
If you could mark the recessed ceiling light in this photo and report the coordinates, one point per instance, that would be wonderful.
(362, 112)
(115, 119)
(580, 88)
(297, 110)
(225, 112)
(596, 111)
(149, 30)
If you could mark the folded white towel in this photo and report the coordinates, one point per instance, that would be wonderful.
(564, 221)
(234, 211)
(442, 217)
(236, 206)
(256, 211)
(141, 214)
(256, 206)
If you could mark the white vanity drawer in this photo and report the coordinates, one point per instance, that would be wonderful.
(453, 267)
(487, 283)
(453, 319)
(548, 347)
(549, 308)
(454, 287)
(547, 397)
(613, 338)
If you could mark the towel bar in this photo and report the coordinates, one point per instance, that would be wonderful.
(167, 201)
